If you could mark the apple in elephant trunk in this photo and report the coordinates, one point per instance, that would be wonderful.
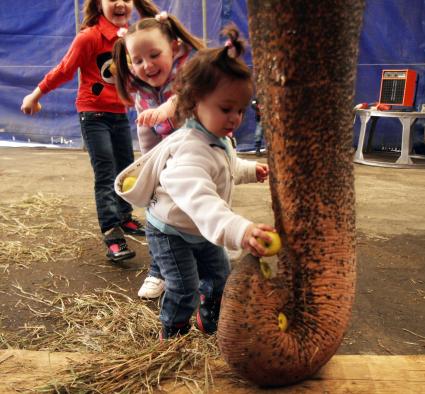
(280, 330)
(273, 246)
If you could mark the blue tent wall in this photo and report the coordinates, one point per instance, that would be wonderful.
(35, 36)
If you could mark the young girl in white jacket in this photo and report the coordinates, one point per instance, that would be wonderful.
(187, 181)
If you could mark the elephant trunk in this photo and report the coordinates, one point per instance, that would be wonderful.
(305, 56)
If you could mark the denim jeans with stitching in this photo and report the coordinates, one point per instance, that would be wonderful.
(108, 140)
(258, 136)
(184, 265)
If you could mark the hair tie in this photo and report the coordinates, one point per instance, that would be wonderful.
(162, 16)
(231, 50)
(122, 31)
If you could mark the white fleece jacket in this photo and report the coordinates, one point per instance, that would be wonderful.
(187, 182)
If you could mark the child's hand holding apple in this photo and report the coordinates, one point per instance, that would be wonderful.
(30, 103)
(261, 240)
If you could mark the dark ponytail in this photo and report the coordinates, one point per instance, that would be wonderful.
(146, 8)
(183, 34)
(123, 75)
(170, 26)
(91, 14)
(234, 46)
(200, 76)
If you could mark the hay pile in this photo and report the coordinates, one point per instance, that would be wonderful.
(51, 239)
(119, 332)
(122, 336)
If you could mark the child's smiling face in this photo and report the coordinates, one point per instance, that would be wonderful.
(221, 111)
(117, 12)
(152, 55)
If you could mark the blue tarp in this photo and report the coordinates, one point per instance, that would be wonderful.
(35, 36)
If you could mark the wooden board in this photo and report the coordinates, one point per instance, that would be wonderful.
(22, 370)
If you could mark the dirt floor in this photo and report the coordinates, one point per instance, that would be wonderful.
(42, 191)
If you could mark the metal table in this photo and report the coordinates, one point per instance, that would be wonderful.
(407, 119)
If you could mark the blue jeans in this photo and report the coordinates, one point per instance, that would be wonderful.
(108, 140)
(258, 138)
(183, 265)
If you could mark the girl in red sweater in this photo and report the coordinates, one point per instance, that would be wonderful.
(104, 123)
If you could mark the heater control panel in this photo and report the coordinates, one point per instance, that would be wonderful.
(398, 87)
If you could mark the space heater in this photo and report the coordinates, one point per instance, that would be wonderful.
(398, 87)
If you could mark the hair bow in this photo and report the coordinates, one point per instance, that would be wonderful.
(231, 50)
(162, 16)
(122, 31)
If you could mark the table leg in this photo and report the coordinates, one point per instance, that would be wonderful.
(373, 121)
(364, 118)
(405, 141)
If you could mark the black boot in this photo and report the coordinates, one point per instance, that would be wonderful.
(208, 314)
(168, 332)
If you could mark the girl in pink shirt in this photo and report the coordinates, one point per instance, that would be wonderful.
(147, 59)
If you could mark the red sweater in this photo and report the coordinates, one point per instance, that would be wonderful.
(91, 52)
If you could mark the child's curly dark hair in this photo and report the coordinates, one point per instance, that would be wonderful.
(201, 74)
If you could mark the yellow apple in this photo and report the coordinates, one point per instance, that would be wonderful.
(282, 322)
(265, 269)
(271, 247)
(128, 183)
